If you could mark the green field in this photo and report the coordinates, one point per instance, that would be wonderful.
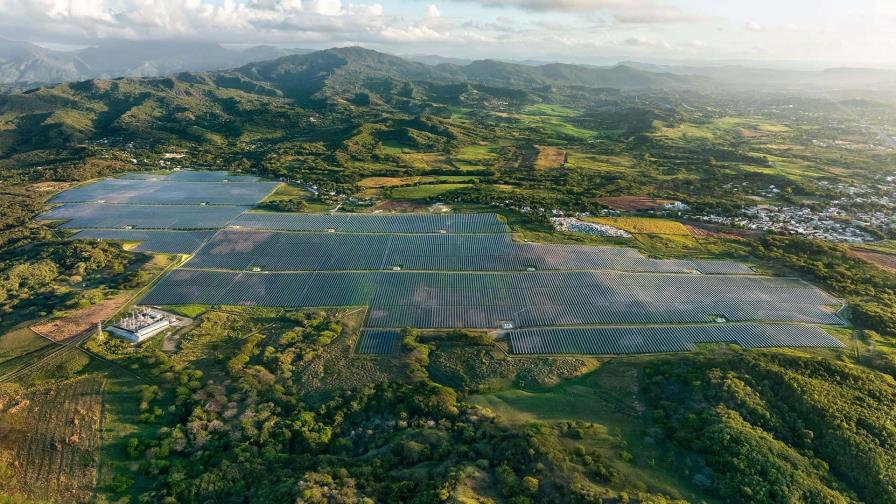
(424, 191)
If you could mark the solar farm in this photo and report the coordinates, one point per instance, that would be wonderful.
(439, 271)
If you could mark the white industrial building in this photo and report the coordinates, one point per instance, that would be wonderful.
(142, 323)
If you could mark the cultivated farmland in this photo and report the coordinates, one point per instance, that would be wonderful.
(49, 438)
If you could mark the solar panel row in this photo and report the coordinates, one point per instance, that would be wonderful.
(378, 342)
(311, 251)
(373, 223)
(654, 339)
(486, 300)
(110, 216)
(165, 192)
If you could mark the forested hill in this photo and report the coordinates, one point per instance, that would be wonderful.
(353, 67)
(320, 89)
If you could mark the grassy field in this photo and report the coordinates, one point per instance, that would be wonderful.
(424, 191)
(606, 406)
(291, 192)
(643, 225)
(20, 342)
(49, 439)
(482, 368)
(474, 157)
(553, 129)
(884, 247)
(339, 368)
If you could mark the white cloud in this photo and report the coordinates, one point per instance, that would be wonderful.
(528, 29)
(754, 26)
(75, 21)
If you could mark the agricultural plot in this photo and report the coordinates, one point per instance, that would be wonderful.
(111, 216)
(373, 223)
(378, 342)
(168, 242)
(489, 300)
(49, 438)
(658, 339)
(163, 192)
(80, 320)
(279, 251)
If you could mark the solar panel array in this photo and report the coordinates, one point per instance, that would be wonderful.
(373, 223)
(110, 216)
(435, 271)
(488, 300)
(656, 339)
(311, 251)
(168, 242)
(378, 342)
(165, 192)
(191, 176)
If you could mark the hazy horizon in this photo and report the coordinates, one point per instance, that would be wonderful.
(799, 34)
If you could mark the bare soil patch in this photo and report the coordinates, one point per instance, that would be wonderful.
(374, 182)
(550, 157)
(400, 206)
(51, 187)
(81, 320)
(705, 230)
(748, 133)
(699, 232)
(885, 261)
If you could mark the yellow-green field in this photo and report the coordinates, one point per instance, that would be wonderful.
(644, 225)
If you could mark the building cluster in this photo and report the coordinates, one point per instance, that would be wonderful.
(592, 228)
(832, 224)
(856, 213)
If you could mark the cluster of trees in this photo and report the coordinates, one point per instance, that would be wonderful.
(36, 279)
(243, 439)
(772, 427)
(285, 205)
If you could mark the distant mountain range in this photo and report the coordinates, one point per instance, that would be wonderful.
(24, 65)
(323, 88)
(758, 77)
(342, 71)
(23, 62)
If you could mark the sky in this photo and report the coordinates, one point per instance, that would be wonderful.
(813, 32)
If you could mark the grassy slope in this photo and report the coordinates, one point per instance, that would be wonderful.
(608, 398)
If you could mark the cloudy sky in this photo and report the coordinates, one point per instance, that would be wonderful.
(841, 32)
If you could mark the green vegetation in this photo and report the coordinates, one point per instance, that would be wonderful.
(253, 404)
(424, 191)
(761, 427)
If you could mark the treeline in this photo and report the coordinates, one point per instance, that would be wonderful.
(771, 427)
